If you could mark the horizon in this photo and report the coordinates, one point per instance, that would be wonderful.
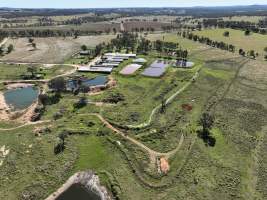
(95, 4)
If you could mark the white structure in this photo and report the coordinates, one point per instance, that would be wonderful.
(95, 69)
(124, 55)
(140, 60)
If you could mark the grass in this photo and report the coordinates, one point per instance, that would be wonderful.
(254, 41)
(14, 72)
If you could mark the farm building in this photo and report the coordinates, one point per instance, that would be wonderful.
(122, 55)
(114, 60)
(95, 69)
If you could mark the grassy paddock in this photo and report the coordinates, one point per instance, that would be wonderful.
(254, 41)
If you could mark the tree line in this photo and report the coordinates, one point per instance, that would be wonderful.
(239, 25)
(207, 41)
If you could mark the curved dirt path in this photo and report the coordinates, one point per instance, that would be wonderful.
(152, 154)
(23, 125)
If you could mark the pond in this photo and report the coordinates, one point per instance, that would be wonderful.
(21, 98)
(78, 192)
(99, 80)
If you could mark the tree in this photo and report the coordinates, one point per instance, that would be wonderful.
(76, 34)
(57, 84)
(265, 57)
(247, 32)
(163, 106)
(265, 49)
(10, 48)
(82, 102)
(62, 136)
(226, 34)
(61, 145)
(252, 54)
(34, 45)
(32, 70)
(1, 50)
(84, 47)
(30, 40)
(206, 121)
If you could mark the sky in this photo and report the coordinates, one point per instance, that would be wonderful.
(122, 3)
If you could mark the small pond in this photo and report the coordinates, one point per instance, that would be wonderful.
(99, 80)
(77, 192)
(21, 98)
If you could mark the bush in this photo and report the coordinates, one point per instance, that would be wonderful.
(114, 97)
(57, 115)
(82, 102)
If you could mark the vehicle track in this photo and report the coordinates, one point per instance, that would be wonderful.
(24, 125)
(152, 154)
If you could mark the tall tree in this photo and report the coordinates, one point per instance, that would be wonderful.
(57, 84)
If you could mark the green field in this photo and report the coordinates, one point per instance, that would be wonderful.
(255, 41)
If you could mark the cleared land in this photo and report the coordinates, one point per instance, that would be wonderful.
(50, 50)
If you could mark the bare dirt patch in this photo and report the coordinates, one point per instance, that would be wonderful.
(164, 165)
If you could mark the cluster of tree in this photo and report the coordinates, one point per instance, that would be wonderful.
(48, 21)
(207, 41)
(251, 53)
(46, 32)
(170, 48)
(9, 49)
(142, 29)
(124, 41)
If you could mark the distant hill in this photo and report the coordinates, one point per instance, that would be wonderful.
(259, 10)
